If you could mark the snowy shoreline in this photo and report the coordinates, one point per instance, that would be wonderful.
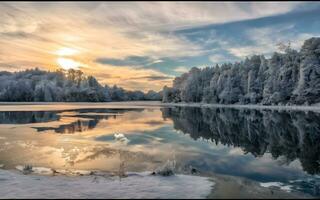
(48, 106)
(48, 183)
(137, 185)
(315, 108)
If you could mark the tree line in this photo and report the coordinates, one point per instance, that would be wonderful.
(288, 77)
(35, 85)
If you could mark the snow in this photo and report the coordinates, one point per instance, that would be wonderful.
(285, 78)
(136, 185)
(49, 106)
(280, 185)
(37, 170)
(49, 171)
(315, 108)
(56, 106)
(36, 85)
(121, 138)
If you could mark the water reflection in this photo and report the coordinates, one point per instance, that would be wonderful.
(77, 126)
(86, 119)
(26, 117)
(83, 123)
(292, 138)
(292, 135)
(289, 135)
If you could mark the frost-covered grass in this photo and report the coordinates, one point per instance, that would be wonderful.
(136, 185)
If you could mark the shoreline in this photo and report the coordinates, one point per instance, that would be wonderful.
(135, 185)
(313, 108)
(94, 185)
(50, 106)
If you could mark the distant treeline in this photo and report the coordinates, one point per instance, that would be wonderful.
(291, 77)
(63, 86)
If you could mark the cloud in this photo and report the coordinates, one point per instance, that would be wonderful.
(152, 78)
(236, 40)
(128, 61)
(156, 61)
(14, 20)
(265, 40)
(177, 15)
(181, 69)
(130, 78)
(218, 58)
(242, 52)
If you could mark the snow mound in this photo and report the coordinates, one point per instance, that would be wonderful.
(119, 137)
(138, 185)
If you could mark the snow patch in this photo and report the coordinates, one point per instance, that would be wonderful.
(49, 171)
(42, 170)
(280, 185)
(19, 167)
(136, 185)
(82, 172)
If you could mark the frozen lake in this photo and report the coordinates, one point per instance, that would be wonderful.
(275, 148)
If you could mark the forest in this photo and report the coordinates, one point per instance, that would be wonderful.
(289, 77)
(36, 85)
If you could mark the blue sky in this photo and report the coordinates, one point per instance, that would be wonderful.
(139, 45)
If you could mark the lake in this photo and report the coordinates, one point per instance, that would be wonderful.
(266, 146)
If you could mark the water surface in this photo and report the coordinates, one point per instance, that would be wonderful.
(264, 146)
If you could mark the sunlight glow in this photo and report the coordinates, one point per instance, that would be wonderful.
(66, 51)
(67, 63)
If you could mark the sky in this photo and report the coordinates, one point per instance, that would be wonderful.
(144, 45)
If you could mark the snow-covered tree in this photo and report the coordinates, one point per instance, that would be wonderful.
(308, 88)
(61, 85)
(287, 77)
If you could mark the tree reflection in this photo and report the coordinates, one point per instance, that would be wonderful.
(86, 119)
(292, 135)
(79, 125)
(27, 117)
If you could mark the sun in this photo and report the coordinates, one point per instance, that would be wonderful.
(64, 60)
(67, 63)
